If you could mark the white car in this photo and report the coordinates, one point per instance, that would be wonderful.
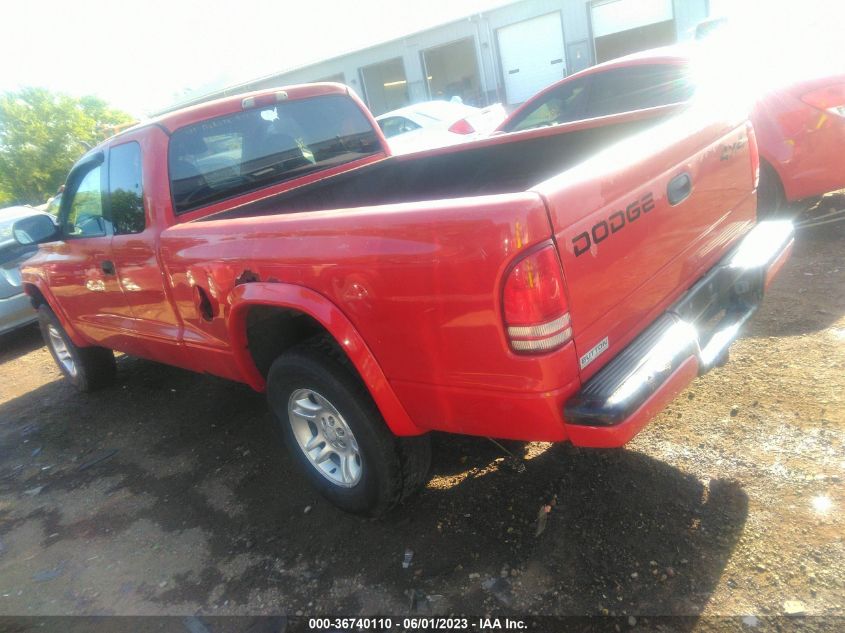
(437, 123)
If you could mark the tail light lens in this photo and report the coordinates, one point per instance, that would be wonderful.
(535, 309)
(831, 99)
(462, 127)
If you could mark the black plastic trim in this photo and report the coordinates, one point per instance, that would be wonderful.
(594, 405)
(679, 189)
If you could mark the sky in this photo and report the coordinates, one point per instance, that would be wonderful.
(144, 59)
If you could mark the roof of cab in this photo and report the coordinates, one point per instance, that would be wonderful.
(172, 121)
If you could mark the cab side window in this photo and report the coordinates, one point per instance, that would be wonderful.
(126, 197)
(84, 215)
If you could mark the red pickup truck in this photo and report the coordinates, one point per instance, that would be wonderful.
(559, 284)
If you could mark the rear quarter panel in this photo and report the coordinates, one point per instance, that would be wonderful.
(420, 282)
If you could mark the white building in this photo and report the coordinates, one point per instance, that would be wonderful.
(503, 55)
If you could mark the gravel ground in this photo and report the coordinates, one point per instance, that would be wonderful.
(168, 494)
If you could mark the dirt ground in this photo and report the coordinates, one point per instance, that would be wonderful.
(168, 494)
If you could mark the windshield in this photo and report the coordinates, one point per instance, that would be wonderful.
(606, 92)
(237, 153)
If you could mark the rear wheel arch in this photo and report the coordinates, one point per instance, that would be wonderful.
(336, 434)
(257, 308)
(273, 330)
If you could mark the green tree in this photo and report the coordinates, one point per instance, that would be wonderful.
(41, 135)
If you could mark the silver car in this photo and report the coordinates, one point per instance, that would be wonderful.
(15, 308)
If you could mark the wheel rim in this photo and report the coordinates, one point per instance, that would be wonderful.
(324, 437)
(60, 348)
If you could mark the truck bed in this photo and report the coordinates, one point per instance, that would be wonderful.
(474, 169)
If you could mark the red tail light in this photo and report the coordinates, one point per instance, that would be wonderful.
(831, 98)
(535, 308)
(462, 127)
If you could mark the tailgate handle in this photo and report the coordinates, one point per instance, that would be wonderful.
(107, 266)
(680, 187)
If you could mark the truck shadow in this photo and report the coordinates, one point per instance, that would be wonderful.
(19, 343)
(625, 533)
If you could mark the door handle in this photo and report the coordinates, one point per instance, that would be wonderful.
(107, 266)
(679, 189)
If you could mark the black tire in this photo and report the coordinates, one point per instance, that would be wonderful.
(392, 468)
(771, 200)
(94, 367)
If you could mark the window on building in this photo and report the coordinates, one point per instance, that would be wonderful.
(385, 86)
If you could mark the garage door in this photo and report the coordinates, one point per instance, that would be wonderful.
(532, 56)
(621, 27)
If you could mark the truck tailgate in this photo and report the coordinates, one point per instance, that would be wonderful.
(638, 223)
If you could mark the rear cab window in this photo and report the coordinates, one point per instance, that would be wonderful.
(242, 152)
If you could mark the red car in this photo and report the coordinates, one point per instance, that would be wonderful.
(800, 127)
(559, 284)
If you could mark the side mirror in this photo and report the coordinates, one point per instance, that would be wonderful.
(35, 229)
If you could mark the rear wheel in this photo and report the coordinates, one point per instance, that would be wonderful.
(336, 434)
(88, 368)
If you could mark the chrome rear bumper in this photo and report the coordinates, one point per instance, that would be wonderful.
(695, 332)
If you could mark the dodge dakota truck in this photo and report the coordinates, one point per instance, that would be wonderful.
(558, 284)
